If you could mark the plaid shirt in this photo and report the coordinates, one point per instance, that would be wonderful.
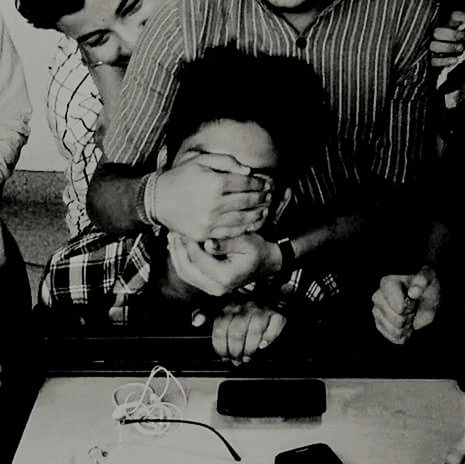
(97, 269)
(73, 105)
(105, 271)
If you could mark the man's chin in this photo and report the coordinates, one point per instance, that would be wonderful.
(289, 4)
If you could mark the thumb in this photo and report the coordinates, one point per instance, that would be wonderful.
(235, 245)
(223, 163)
(420, 282)
(457, 20)
(198, 318)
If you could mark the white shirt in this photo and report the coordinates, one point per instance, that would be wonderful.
(73, 106)
(15, 107)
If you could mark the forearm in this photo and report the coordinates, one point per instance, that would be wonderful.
(378, 223)
(11, 143)
(338, 231)
(108, 80)
(15, 107)
(112, 199)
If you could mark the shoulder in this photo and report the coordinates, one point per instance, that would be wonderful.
(413, 30)
(69, 81)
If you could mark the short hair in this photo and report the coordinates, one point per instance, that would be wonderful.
(282, 95)
(46, 14)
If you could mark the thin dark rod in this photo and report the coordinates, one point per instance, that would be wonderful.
(233, 452)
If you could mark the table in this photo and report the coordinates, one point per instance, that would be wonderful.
(367, 422)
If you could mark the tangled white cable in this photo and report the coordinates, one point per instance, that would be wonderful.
(160, 397)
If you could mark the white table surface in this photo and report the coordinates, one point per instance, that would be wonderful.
(367, 422)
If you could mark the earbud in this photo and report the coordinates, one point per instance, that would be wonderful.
(142, 402)
(119, 412)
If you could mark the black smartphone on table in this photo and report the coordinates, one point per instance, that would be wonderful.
(289, 398)
(318, 453)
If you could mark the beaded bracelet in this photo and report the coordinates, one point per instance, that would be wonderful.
(145, 200)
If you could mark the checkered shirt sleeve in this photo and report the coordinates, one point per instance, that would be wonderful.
(103, 270)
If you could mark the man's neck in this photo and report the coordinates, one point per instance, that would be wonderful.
(304, 16)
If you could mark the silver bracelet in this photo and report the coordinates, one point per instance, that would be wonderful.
(150, 198)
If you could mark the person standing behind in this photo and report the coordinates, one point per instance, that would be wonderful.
(79, 103)
(15, 113)
(15, 107)
(377, 133)
(435, 300)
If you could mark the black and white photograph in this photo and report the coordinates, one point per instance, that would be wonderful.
(231, 231)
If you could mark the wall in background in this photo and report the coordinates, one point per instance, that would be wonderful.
(36, 48)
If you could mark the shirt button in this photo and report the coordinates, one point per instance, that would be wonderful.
(301, 42)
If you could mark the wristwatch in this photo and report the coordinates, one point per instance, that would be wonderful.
(287, 254)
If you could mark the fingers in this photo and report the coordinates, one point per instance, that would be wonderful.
(243, 329)
(446, 48)
(222, 233)
(447, 34)
(392, 316)
(223, 163)
(213, 247)
(187, 271)
(255, 333)
(233, 183)
(225, 247)
(198, 318)
(275, 327)
(220, 333)
(388, 330)
(441, 62)
(236, 219)
(237, 333)
(420, 282)
(386, 312)
(245, 201)
(456, 19)
(203, 261)
(391, 287)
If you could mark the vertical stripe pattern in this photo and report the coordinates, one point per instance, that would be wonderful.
(371, 56)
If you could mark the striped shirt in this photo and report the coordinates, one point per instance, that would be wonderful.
(371, 56)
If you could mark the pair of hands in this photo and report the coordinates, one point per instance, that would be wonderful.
(395, 318)
(212, 196)
(449, 41)
(218, 267)
(242, 328)
(214, 249)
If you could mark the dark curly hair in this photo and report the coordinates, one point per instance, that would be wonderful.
(46, 14)
(282, 95)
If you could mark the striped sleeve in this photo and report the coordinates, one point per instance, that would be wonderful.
(403, 142)
(136, 132)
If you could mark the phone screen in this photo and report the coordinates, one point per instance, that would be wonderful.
(318, 453)
(272, 398)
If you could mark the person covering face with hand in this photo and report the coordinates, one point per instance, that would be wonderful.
(372, 151)
(106, 33)
(235, 117)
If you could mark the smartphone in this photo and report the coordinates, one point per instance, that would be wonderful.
(272, 398)
(318, 453)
